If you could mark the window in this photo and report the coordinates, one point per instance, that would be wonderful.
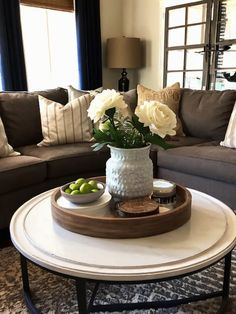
(50, 48)
(200, 45)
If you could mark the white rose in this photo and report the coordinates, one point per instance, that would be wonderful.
(105, 100)
(160, 119)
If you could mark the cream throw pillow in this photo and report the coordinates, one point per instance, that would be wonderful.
(230, 135)
(169, 96)
(65, 124)
(5, 149)
(74, 93)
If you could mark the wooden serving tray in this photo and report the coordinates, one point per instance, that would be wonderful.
(106, 223)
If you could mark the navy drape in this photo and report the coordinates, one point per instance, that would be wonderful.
(89, 43)
(11, 47)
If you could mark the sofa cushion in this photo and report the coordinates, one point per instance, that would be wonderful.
(5, 148)
(63, 124)
(20, 114)
(21, 171)
(230, 136)
(68, 159)
(131, 98)
(210, 161)
(179, 141)
(74, 93)
(206, 114)
(169, 96)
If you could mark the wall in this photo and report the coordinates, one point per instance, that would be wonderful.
(142, 19)
(111, 26)
(134, 18)
(137, 18)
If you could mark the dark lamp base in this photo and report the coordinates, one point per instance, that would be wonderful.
(123, 83)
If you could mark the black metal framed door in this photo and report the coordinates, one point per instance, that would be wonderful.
(199, 38)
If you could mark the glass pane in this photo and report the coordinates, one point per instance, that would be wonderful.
(194, 59)
(193, 80)
(227, 27)
(196, 34)
(50, 49)
(227, 59)
(175, 60)
(176, 37)
(197, 13)
(177, 17)
(174, 77)
(222, 83)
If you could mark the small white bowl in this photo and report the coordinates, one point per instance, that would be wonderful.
(83, 198)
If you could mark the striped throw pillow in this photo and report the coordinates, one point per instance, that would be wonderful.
(75, 93)
(5, 149)
(230, 135)
(65, 124)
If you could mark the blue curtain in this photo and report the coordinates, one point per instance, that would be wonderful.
(13, 73)
(89, 43)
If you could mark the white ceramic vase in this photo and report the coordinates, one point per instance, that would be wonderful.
(129, 172)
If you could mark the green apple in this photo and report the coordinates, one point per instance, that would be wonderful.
(94, 190)
(68, 190)
(85, 188)
(75, 192)
(80, 181)
(74, 186)
(93, 183)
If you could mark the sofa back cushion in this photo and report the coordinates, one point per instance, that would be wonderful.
(169, 96)
(5, 149)
(205, 114)
(21, 117)
(64, 124)
(131, 98)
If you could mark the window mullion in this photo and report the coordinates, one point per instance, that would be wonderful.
(185, 43)
(166, 36)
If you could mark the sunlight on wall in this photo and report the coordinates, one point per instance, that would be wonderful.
(49, 38)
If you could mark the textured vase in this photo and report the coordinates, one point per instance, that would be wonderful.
(129, 172)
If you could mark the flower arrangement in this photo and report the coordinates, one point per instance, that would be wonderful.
(150, 123)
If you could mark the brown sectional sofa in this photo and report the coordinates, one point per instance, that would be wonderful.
(38, 168)
(197, 161)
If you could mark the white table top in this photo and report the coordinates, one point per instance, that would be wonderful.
(208, 236)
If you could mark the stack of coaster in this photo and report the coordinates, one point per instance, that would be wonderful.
(138, 207)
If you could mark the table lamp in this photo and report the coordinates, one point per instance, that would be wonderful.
(123, 53)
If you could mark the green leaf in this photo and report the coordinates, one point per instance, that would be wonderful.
(140, 126)
(101, 136)
(157, 140)
(98, 146)
(110, 112)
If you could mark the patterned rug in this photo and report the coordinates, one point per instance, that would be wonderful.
(54, 294)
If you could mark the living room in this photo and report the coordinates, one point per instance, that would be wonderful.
(187, 62)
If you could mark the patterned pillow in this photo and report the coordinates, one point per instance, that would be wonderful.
(74, 93)
(169, 96)
(65, 124)
(230, 135)
(5, 149)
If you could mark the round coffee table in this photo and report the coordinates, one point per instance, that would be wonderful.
(206, 238)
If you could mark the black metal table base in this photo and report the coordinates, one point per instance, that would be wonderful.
(85, 308)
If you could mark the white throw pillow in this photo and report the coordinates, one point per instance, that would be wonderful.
(230, 135)
(5, 149)
(65, 124)
(74, 93)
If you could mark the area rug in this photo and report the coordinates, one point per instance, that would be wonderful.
(54, 294)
